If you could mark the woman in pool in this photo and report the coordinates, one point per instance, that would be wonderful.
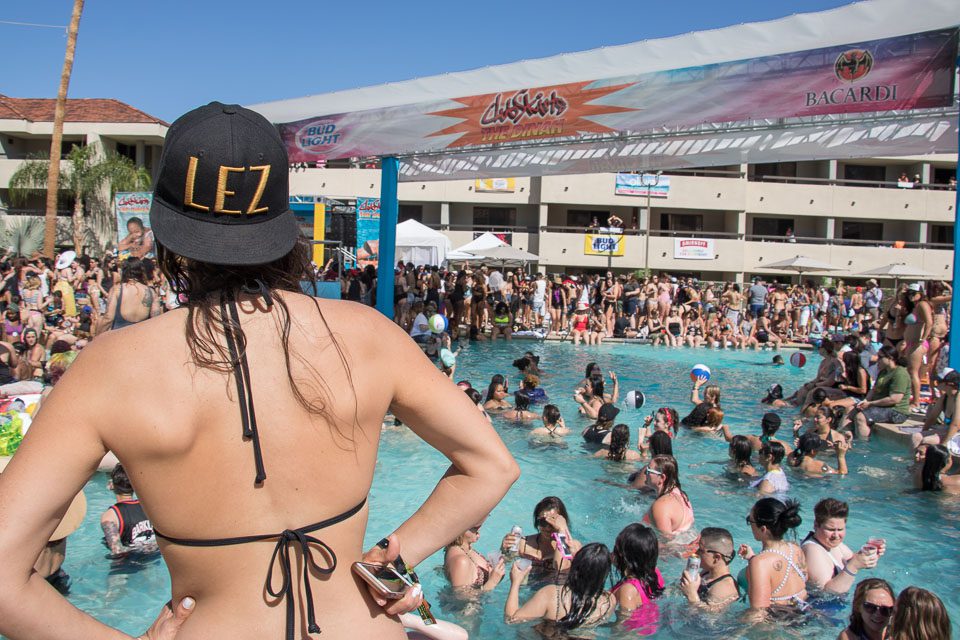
(635, 555)
(713, 422)
(870, 613)
(531, 386)
(919, 615)
(776, 577)
(466, 568)
(619, 450)
(932, 474)
(774, 480)
(477, 399)
(181, 431)
(599, 432)
(496, 398)
(804, 458)
(826, 421)
(521, 409)
(553, 425)
(740, 465)
(671, 513)
(831, 564)
(502, 322)
(711, 398)
(664, 419)
(582, 601)
(769, 425)
(549, 517)
(593, 370)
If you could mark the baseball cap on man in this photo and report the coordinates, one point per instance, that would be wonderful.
(222, 192)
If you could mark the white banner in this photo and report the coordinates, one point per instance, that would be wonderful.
(693, 248)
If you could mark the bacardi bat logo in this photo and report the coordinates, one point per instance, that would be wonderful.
(853, 64)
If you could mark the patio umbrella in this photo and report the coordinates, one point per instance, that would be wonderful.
(801, 265)
(898, 270)
(505, 254)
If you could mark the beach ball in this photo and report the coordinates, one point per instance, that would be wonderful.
(634, 399)
(438, 323)
(699, 370)
(798, 360)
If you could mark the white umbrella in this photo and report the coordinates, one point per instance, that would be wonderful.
(801, 264)
(898, 270)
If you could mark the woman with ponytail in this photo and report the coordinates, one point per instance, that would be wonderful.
(671, 514)
(619, 450)
(582, 601)
(805, 459)
(777, 576)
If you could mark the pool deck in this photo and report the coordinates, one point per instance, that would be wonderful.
(894, 433)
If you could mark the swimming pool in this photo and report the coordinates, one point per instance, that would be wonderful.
(922, 531)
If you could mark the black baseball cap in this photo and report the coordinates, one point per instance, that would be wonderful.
(222, 192)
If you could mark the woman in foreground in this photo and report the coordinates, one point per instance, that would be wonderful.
(209, 468)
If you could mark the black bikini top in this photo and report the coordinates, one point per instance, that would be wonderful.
(297, 537)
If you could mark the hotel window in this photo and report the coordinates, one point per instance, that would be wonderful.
(584, 217)
(681, 222)
(941, 234)
(861, 231)
(772, 226)
(410, 212)
(495, 216)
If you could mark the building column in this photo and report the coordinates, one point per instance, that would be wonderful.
(831, 228)
(923, 232)
(742, 224)
(444, 215)
(140, 154)
(926, 173)
(832, 168)
(542, 216)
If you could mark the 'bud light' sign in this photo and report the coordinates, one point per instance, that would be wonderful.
(603, 244)
(319, 137)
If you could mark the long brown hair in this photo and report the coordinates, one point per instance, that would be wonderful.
(860, 594)
(667, 465)
(202, 285)
(919, 615)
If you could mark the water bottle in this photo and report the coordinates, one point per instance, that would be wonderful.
(517, 530)
(693, 565)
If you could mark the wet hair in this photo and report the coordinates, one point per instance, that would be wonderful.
(521, 401)
(530, 381)
(712, 394)
(619, 441)
(588, 575)
(860, 595)
(776, 515)
(661, 444)
(551, 413)
(933, 463)
(774, 393)
(740, 450)
(829, 508)
(596, 384)
(474, 395)
(121, 481)
(635, 555)
(774, 450)
(809, 443)
(714, 417)
(919, 615)
(590, 368)
(718, 537)
(550, 503)
(522, 363)
(833, 414)
(667, 465)
(494, 381)
(203, 285)
(672, 418)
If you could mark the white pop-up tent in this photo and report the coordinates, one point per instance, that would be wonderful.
(420, 244)
(484, 241)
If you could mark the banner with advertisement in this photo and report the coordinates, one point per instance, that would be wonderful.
(914, 71)
(635, 184)
(693, 248)
(495, 185)
(134, 236)
(368, 231)
(603, 244)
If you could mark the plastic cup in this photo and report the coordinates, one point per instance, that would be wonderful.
(523, 563)
(494, 558)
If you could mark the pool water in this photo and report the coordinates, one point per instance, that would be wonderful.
(922, 531)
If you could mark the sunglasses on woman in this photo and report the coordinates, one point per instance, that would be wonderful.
(877, 608)
(655, 472)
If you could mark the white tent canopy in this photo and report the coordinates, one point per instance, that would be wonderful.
(485, 240)
(419, 244)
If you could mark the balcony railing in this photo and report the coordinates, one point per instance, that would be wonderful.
(492, 228)
(886, 244)
(880, 184)
(719, 235)
(564, 229)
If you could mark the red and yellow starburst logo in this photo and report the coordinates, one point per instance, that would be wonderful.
(543, 112)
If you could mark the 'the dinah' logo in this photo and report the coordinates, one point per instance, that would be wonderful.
(853, 64)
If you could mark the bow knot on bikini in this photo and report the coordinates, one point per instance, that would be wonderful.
(280, 560)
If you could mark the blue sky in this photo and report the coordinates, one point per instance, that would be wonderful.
(168, 57)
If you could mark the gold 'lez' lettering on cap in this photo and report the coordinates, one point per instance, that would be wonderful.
(223, 174)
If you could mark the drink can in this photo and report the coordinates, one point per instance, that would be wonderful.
(693, 565)
(517, 530)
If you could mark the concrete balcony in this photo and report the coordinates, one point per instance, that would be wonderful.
(697, 192)
(566, 249)
(7, 168)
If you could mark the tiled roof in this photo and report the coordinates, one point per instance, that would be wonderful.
(78, 110)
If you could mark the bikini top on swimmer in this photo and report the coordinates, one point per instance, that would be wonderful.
(281, 558)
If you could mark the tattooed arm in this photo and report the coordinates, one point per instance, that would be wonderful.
(111, 532)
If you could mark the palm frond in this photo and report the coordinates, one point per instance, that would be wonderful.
(21, 235)
(31, 178)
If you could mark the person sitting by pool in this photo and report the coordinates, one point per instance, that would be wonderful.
(521, 409)
(888, 400)
(671, 513)
(831, 565)
(870, 613)
(502, 322)
(466, 568)
(774, 480)
(599, 431)
(126, 528)
(582, 601)
(711, 398)
(931, 473)
(580, 324)
(713, 422)
(619, 450)
(635, 555)
(496, 398)
(769, 425)
(713, 585)
(553, 425)
(420, 329)
(776, 577)
(531, 386)
(827, 373)
(854, 384)
(549, 517)
(804, 458)
(945, 406)
(919, 615)
(740, 465)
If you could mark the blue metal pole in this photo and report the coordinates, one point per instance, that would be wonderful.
(389, 210)
(955, 299)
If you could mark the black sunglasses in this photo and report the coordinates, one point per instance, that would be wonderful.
(474, 529)
(876, 608)
(751, 520)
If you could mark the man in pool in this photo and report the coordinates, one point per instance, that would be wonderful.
(126, 528)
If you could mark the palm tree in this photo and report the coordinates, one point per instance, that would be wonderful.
(87, 173)
(59, 112)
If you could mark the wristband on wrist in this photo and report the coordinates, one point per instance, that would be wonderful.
(847, 571)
